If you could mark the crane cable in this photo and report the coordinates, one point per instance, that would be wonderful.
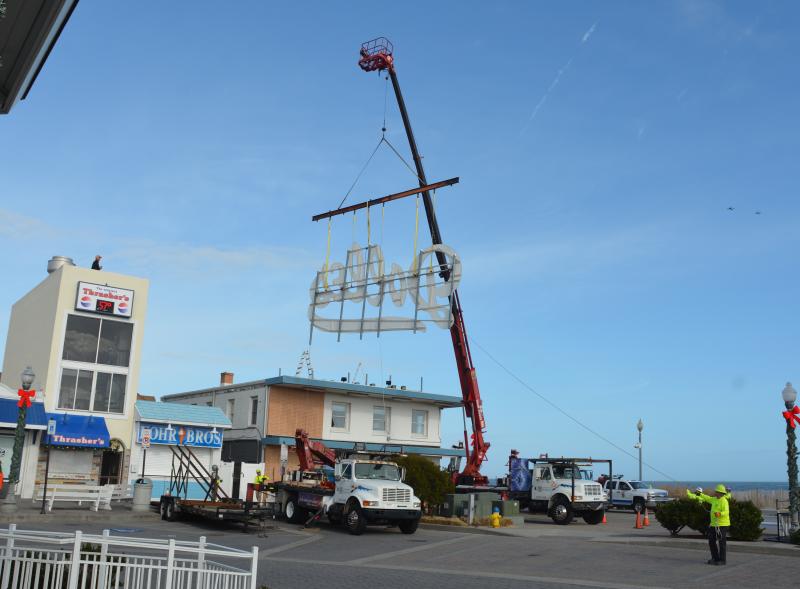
(563, 412)
(414, 259)
(327, 253)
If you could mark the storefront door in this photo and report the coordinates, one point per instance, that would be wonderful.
(110, 467)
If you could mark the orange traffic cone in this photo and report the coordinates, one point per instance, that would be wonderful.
(646, 521)
(638, 525)
(604, 518)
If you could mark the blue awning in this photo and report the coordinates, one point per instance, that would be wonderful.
(82, 431)
(34, 418)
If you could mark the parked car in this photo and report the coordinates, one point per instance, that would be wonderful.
(634, 495)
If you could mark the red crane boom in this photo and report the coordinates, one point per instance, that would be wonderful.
(311, 453)
(377, 55)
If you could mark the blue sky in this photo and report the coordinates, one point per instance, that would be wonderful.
(599, 146)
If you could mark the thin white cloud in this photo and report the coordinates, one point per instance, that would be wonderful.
(556, 80)
(588, 33)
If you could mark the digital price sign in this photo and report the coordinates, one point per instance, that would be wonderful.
(106, 307)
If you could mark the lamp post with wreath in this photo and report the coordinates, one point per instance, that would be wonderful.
(791, 416)
(9, 503)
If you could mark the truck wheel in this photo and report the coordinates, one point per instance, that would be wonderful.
(408, 526)
(638, 505)
(561, 512)
(294, 514)
(170, 513)
(594, 517)
(355, 520)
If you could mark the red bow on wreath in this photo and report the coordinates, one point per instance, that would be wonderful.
(25, 397)
(792, 415)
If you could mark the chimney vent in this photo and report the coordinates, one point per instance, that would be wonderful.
(56, 262)
(225, 378)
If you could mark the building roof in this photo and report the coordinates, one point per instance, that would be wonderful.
(369, 447)
(333, 386)
(181, 413)
(28, 33)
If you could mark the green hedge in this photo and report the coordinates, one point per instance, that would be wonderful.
(746, 518)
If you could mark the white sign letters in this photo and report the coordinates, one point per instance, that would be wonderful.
(362, 280)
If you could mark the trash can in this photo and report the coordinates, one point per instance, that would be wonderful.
(142, 490)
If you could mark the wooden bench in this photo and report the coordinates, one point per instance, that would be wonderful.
(96, 496)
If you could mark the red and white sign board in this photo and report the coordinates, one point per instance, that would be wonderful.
(145, 438)
(106, 300)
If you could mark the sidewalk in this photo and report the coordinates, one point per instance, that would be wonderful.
(28, 511)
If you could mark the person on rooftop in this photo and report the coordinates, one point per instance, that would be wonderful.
(96, 264)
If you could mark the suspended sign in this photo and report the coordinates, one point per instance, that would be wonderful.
(348, 288)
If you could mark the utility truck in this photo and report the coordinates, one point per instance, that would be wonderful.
(364, 490)
(634, 495)
(560, 487)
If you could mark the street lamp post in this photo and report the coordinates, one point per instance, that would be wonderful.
(9, 504)
(789, 397)
(640, 427)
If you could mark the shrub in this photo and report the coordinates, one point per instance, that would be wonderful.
(746, 518)
(794, 537)
(746, 521)
(430, 483)
(680, 513)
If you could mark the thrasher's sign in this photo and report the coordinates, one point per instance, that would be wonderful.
(345, 290)
(107, 300)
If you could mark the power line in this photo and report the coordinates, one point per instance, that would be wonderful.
(564, 413)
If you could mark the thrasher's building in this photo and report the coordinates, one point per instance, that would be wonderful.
(81, 331)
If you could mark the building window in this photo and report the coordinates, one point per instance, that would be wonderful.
(340, 412)
(97, 341)
(419, 422)
(231, 407)
(380, 418)
(253, 410)
(80, 389)
(89, 342)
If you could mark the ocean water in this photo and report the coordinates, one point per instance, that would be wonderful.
(732, 485)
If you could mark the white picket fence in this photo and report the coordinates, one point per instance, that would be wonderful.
(50, 560)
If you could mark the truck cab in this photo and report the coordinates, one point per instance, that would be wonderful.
(635, 495)
(363, 492)
(559, 487)
(373, 492)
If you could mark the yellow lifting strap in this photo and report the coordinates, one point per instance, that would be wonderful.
(416, 235)
(327, 254)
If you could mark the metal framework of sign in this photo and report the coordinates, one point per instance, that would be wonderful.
(106, 300)
(348, 288)
(181, 435)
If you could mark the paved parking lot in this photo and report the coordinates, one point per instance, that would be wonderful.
(540, 555)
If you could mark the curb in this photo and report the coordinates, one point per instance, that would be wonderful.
(462, 529)
(755, 548)
(62, 517)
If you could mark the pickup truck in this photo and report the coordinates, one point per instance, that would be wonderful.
(634, 494)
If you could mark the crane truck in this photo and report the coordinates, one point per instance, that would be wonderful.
(377, 55)
(364, 490)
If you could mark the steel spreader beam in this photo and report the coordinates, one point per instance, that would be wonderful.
(376, 201)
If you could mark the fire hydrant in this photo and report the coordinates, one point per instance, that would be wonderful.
(496, 518)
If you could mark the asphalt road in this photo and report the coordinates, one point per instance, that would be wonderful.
(545, 557)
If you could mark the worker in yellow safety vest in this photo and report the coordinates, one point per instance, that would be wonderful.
(259, 483)
(720, 521)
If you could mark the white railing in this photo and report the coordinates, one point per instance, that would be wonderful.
(51, 560)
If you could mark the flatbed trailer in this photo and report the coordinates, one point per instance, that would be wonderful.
(216, 505)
